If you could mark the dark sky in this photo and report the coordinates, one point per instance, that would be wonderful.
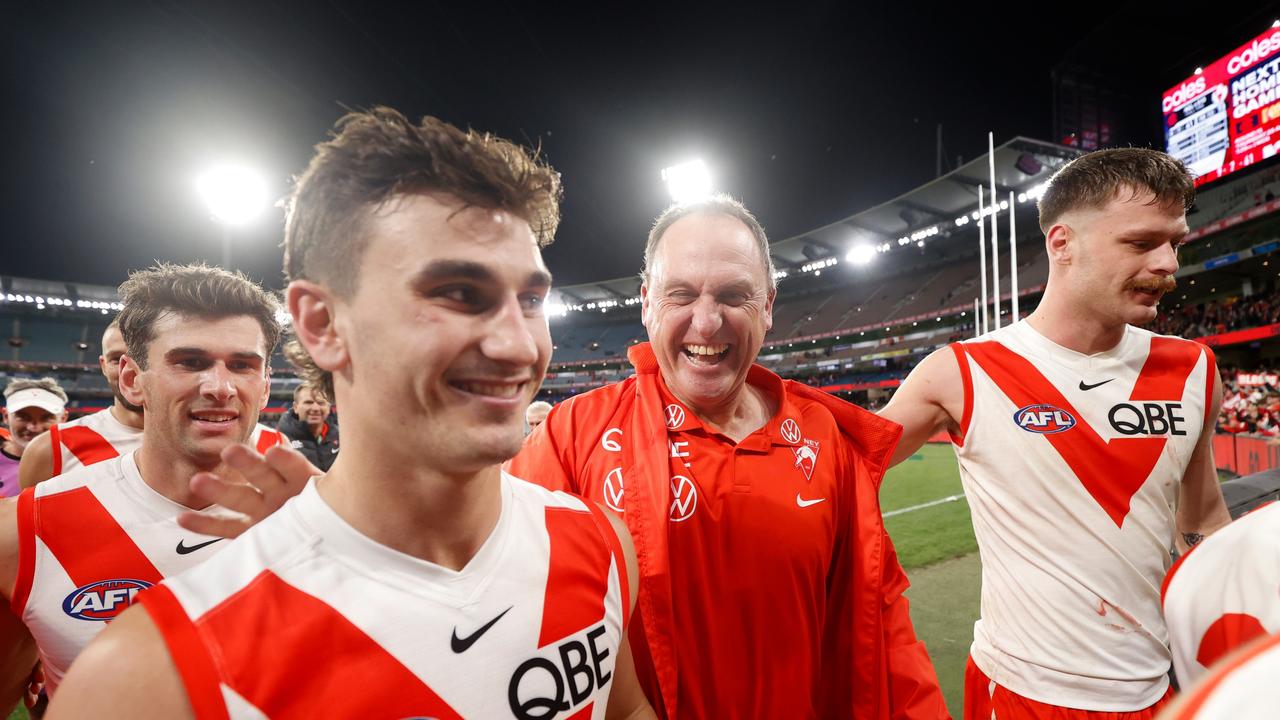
(808, 113)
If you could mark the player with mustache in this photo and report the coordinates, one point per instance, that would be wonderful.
(1084, 449)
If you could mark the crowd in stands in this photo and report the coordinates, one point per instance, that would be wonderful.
(1251, 402)
(1215, 317)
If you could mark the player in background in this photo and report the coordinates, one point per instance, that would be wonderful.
(1224, 593)
(30, 408)
(1084, 449)
(414, 578)
(108, 433)
(75, 550)
(536, 413)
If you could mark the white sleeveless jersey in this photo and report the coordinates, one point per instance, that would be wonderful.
(90, 439)
(1072, 465)
(1242, 687)
(100, 436)
(89, 540)
(1224, 593)
(305, 617)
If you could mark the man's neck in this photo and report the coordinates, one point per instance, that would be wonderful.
(399, 500)
(125, 416)
(1064, 324)
(747, 411)
(316, 430)
(12, 448)
(170, 474)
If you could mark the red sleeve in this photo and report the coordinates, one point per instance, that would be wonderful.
(913, 683)
(547, 456)
(190, 655)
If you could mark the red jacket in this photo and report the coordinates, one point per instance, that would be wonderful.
(763, 606)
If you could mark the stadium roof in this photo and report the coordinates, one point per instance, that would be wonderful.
(1021, 165)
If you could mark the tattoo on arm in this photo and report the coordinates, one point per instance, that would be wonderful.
(1192, 539)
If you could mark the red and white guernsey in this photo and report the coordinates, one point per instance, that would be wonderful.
(1224, 593)
(100, 436)
(1243, 687)
(530, 628)
(89, 540)
(1072, 465)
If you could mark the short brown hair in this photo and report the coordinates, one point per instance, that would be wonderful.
(1093, 180)
(316, 392)
(197, 291)
(378, 155)
(714, 205)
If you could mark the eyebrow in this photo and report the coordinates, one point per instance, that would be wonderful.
(181, 351)
(467, 270)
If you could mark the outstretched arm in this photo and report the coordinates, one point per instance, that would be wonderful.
(930, 400)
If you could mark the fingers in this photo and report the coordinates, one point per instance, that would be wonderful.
(213, 526)
(292, 466)
(238, 497)
(253, 467)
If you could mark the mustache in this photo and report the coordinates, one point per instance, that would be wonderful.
(1152, 285)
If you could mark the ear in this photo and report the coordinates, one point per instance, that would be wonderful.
(644, 304)
(313, 307)
(63, 417)
(768, 309)
(131, 381)
(1059, 244)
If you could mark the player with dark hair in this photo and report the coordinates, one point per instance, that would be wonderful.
(75, 549)
(1084, 449)
(414, 579)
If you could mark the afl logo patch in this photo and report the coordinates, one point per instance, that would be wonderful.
(1044, 419)
(102, 600)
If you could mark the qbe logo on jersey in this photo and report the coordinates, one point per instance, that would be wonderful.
(102, 600)
(1044, 419)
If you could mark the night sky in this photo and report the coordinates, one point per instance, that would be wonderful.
(808, 113)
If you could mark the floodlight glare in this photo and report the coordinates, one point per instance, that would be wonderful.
(861, 254)
(235, 195)
(688, 182)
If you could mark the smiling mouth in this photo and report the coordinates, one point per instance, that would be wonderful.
(499, 390)
(214, 416)
(705, 354)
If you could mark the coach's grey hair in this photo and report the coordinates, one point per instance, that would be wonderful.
(714, 205)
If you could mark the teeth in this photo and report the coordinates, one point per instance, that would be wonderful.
(706, 349)
(501, 390)
(214, 418)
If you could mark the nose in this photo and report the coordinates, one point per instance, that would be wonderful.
(509, 337)
(1165, 261)
(707, 317)
(216, 383)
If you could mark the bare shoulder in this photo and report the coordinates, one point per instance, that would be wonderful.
(938, 375)
(36, 465)
(125, 672)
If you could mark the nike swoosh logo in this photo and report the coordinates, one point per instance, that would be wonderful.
(1090, 387)
(806, 503)
(460, 645)
(185, 549)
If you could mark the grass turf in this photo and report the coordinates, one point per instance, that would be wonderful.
(930, 534)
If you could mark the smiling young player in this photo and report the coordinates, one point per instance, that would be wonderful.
(75, 550)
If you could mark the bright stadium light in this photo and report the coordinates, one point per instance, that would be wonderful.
(688, 182)
(861, 254)
(235, 195)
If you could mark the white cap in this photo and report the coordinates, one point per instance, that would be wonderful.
(35, 397)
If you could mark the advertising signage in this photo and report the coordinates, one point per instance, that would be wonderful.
(1227, 117)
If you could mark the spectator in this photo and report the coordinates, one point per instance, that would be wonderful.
(30, 408)
(536, 413)
(307, 426)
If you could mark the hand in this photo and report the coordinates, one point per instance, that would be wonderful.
(35, 685)
(268, 481)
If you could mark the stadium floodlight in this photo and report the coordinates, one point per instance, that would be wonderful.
(860, 254)
(688, 182)
(235, 195)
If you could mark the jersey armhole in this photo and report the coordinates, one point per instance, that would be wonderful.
(55, 446)
(1168, 577)
(26, 552)
(619, 559)
(966, 381)
(1210, 373)
(189, 654)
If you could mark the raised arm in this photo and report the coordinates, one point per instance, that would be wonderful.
(931, 399)
(37, 461)
(1201, 509)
